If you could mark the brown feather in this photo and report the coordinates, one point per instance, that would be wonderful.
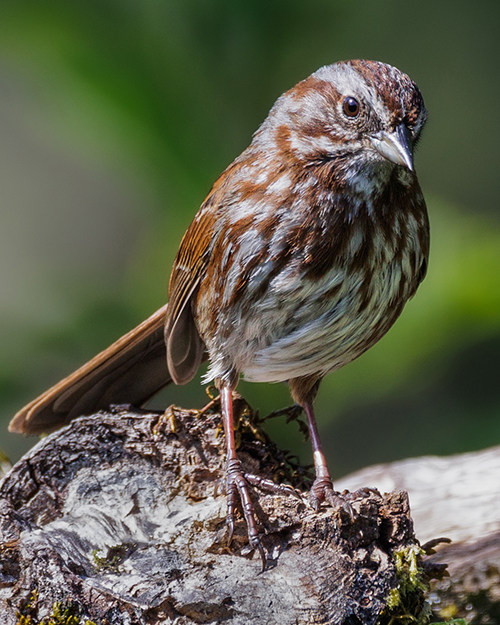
(287, 214)
(185, 349)
(131, 370)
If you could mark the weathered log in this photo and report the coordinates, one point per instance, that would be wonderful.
(120, 518)
(457, 497)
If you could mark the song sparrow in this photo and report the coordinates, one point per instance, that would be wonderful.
(301, 258)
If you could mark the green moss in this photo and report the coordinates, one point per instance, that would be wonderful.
(113, 558)
(406, 604)
(66, 613)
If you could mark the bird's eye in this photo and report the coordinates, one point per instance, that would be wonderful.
(350, 107)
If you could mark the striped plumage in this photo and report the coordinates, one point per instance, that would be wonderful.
(302, 256)
(316, 241)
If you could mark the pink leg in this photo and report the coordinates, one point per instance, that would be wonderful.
(322, 488)
(236, 482)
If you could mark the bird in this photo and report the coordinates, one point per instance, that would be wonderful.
(302, 256)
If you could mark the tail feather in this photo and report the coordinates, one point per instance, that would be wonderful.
(131, 370)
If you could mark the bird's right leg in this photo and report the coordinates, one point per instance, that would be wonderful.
(237, 485)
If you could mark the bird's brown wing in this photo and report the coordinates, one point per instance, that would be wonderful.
(185, 348)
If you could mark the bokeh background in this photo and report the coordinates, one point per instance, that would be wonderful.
(116, 116)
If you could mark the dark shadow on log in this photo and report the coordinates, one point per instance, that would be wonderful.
(120, 517)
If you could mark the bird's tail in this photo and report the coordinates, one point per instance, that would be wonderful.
(131, 370)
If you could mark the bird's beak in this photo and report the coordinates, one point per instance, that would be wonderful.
(395, 146)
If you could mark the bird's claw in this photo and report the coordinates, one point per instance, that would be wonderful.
(272, 487)
(237, 485)
(322, 491)
(361, 493)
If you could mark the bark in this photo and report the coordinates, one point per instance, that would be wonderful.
(456, 497)
(120, 518)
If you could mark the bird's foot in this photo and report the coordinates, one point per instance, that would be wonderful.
(361, 493)
(238, 486)
(322, 491)
(272, 487)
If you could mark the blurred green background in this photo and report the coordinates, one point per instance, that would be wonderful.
(116, 116)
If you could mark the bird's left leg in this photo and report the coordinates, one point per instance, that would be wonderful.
(235, 479)
(304, 391)
(322, 488)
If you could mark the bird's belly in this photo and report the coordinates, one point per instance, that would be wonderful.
(313, 327)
